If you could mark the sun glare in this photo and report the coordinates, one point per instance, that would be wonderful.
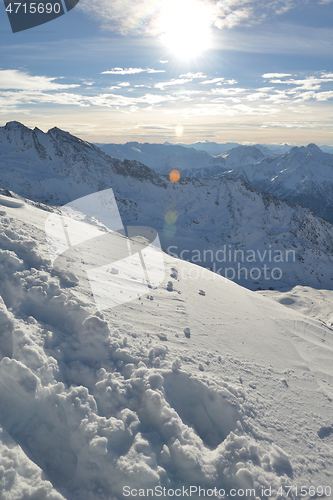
(186, 27)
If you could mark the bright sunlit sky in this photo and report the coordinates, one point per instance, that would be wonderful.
(244, 71)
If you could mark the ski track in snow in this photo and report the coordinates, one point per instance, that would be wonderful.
(200, 382)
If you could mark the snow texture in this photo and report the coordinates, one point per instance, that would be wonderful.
(222, 389)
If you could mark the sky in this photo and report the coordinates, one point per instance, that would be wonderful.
(247, 71)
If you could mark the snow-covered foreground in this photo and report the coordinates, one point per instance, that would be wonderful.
(309, 301)
(200, 383)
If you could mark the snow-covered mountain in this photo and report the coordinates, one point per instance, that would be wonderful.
(215, 149)
(301, 175)
(222, 224)
(327, 149)
(304, 175)
(212, 148)
(245, 155)
(189, 161)
(198, 384)
(163, 158)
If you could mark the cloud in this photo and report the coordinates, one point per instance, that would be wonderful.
(323, 96)
(175, 81)
(275, 75)
(193, 75)
(146, 16)
(14, 79)
(184, 96)
(154, 127)
(308, 83)
(23, 98)
(131, 71)
(212, 81)
(120, 101)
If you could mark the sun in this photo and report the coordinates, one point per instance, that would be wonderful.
(186, 27)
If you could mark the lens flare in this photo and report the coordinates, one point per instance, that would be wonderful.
(169, 230)
(179, 130)
(174, 175)
(171, 216)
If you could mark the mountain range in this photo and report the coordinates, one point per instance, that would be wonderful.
(219, 223)
(302, 175)
(190, 161)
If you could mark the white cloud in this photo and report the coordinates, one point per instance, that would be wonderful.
(193, 75)
(175, 81)
(228, 91)
(24, 97)
(124, 84)
(275, 75)
(131, 71)
(323, 96)
(120, 101)
(14, 79)
(212, 81)
(308, 83)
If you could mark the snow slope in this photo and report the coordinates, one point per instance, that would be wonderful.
(309, 301)
(304, 175)
(198, 220)
(200, 383)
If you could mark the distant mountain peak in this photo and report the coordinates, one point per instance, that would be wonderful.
(313, 147)
(58, 131)
(294, 150)
(14, 125)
